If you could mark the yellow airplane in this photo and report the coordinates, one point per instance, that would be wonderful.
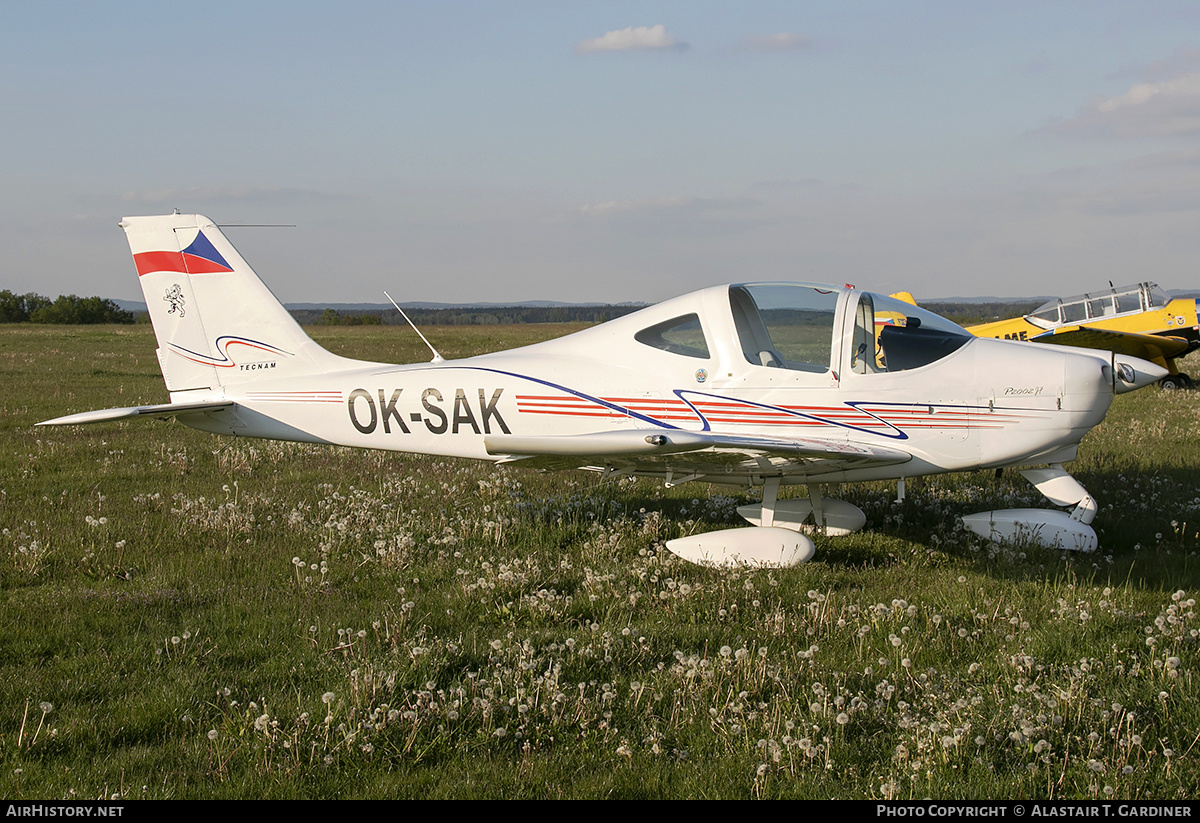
(1140, 320)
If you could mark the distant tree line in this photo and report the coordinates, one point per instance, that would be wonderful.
(67, 309)
(491, 316)
(971, 314)
(333, 317)
(72, 309)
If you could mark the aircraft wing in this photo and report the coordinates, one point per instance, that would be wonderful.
(163, 412)
(697, 454)
(1146, 346)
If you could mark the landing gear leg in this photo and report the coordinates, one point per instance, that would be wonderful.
(814, 515)
(817, 501)
(770, 498)
(1062, 489)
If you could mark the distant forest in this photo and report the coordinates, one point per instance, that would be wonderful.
(490, 316)
(67, 309)
(970, 314)
(71, 309)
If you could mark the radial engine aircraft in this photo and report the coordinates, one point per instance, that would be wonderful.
(1140, 320)
(753, 384)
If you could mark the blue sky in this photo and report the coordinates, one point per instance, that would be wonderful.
(611, 151)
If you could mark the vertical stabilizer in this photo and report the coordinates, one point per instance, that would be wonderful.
(216, 322)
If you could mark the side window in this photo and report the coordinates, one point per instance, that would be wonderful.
(1100, 306)
(1129, 301)
(785, 326)
(680, 335)
(1074, 312)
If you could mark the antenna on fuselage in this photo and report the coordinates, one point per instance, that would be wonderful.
(437, 358)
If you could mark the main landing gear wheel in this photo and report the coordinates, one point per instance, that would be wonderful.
(1176, 381)
(1051, 528)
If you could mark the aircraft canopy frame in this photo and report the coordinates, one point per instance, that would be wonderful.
(1115, 301)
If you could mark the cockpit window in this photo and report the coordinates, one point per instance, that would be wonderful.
(1046, 316)
(785, 326)
(903, 336)
(680, 335)
(1098, 305)
(1074, 312)
(1129, 301)
(1101, 306)
(1157, 297)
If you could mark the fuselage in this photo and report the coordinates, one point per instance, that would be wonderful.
(951, 401)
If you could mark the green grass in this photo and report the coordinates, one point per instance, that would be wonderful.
(190, 617)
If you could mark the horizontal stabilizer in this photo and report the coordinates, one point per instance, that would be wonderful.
(163, 412)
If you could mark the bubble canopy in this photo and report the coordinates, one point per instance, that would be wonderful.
(794, 325)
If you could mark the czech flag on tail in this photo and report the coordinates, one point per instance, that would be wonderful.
(198, 258)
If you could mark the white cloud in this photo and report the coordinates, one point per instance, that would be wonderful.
(784, 41)
(1166, 108)
(1187, 86)
(641, 38)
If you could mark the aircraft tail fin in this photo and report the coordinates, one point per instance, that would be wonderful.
(216, 322)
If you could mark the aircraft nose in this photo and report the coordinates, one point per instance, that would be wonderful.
(1131, 373)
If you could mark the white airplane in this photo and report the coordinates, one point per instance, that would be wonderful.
(752, 384)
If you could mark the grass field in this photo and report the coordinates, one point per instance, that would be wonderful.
(183, 616)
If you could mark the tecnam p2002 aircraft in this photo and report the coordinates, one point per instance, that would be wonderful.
(753, 384)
